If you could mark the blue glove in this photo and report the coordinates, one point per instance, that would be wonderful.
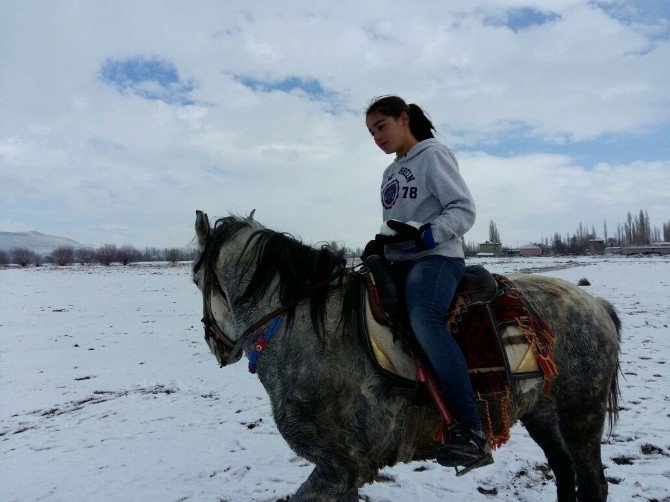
(427, 238)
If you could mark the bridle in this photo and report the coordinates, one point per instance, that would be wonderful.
(226, 351)
(229, 351)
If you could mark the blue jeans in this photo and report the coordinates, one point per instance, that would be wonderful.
(429, 290)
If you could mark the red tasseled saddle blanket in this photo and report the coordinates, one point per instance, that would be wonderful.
(478, 328)
(488, 333)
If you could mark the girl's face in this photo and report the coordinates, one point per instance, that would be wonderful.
(391, 134)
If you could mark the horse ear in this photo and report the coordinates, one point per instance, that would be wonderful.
(202, 228)
(251, 214)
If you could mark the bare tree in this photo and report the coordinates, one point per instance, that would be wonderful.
(85, 256)
(557, 245)
(629, 229)
(128, 254)
(494, 236)
(646, 224)
(337, 247)
(470, 248)
(106, 254)
(655, 234)
(173, 255)
(23, 256)
(4, 258)
(193, 253)
(63, 255)
(636, 230)
(151, 254)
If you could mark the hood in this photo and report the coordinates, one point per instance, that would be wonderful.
(417, 149)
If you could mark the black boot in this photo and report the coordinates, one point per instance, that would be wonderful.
(464, 447)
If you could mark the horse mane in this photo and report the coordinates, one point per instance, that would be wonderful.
(297, 266)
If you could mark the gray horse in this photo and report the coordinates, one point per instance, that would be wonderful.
(331, 405)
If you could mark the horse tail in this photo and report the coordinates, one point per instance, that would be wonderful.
(614, 393)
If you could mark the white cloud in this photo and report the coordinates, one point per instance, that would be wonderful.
(533, 196)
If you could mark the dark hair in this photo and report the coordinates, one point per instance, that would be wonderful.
(392, 106)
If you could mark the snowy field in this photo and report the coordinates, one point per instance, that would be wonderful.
(109, 393)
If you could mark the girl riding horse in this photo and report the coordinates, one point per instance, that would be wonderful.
(427, 208)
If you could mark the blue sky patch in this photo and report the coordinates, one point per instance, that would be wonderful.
(521, 18)
(154, 78)
(310, 86)
(651, 12)
(645, 146)
(654, 13)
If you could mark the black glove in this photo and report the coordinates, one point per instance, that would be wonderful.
(373, 247)
(417, 239)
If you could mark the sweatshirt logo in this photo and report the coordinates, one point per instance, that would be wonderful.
(390, 194)
(407, 174)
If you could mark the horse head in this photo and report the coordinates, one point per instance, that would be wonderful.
(214, 273)
(247, 272)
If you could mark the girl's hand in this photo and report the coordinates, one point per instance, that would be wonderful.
(419, 237)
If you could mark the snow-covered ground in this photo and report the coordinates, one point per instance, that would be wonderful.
(108, 392)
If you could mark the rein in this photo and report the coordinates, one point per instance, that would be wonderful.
(212, 330)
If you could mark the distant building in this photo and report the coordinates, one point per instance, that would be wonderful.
(596, 246)
(530, 250)
(654, 248)
(490, 248)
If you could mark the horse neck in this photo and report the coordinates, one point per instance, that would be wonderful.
(237, 273)
(232, 274)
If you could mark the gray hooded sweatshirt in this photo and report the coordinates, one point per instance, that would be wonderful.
(425, 186)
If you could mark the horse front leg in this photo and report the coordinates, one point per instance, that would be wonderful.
(327, 485)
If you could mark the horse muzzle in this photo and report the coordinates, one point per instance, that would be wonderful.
(223, 349)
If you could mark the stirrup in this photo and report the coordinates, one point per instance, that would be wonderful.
(487, 459)
(450, 455)
(468, 462)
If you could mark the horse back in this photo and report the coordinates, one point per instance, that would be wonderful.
(586, 330)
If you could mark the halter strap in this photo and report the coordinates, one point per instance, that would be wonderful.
(260, 345)
(212, 330)
(282, 310)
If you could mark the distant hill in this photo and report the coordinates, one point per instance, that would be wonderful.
(38, 242)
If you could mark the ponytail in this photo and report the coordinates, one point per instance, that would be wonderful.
(392, 106)
(419, 124)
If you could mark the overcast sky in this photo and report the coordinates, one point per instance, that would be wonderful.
(120, 119)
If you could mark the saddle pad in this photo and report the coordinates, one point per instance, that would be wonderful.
(386, 351)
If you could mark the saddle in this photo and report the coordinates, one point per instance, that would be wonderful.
(505, 343)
